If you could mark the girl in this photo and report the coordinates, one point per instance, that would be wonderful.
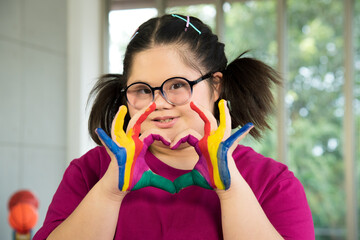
(170, 170)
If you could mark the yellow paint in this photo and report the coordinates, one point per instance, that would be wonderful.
(214, 141)
(124, 140)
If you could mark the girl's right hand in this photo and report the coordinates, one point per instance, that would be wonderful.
(127, 152)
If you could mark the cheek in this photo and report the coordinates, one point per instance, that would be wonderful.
(193, 120)
(131, 111)
(202, 96)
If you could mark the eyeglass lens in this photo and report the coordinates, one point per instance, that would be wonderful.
(176, 91)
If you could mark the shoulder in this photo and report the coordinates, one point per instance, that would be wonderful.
(80, 176)
(259, 170)
(279, 192)
(92, 165)
(266, 177)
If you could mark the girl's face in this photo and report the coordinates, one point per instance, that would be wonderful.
(154, 66)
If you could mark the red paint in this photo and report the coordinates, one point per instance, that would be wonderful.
(203, 144)
(138, 143)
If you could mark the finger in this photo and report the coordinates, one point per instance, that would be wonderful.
(206, 116)
(149, 178)
(119, 152)
(188, 136)
(224, 128)
(146, 133)
(238, 135)
(148, 140)
(139, 118)
(219, 134)
(223, 166)
(117, 131)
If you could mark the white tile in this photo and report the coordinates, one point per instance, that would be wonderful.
(11, 89)
(44, 119)
(42, 172)
(9, 183)
(45, 23)
(10, 18)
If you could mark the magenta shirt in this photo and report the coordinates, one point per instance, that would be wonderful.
(194, 212)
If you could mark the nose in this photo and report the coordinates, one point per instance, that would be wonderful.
(160, 100)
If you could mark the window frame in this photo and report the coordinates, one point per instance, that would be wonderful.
(349, 129)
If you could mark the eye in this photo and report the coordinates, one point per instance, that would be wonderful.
(143, 91)
(177, 85)
(139, 89)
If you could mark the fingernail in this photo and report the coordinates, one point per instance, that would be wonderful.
(248, 125)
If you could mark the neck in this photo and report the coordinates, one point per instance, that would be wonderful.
(183, 158)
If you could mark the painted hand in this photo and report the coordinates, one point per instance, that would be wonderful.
(212, 170)
(129, 150)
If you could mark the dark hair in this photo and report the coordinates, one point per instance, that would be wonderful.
(246, 81)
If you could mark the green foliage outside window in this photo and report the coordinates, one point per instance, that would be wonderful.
(357, 95)
(314, 98)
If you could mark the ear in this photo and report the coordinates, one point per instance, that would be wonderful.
(217, 79)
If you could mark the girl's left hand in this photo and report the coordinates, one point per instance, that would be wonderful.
(212, 169)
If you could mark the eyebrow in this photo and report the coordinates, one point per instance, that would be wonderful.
(144, 81)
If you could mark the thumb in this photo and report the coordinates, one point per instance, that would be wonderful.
(111, 147)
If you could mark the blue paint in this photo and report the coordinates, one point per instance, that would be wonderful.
(237, 134)
(223, 165)
(119, 152)
(222, 154)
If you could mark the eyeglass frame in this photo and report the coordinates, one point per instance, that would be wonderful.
(153, 89)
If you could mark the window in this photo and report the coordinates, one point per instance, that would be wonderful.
(122, 25)
(357, 97)
(314, 96)
(205, 12)
(315, 103)
(252, 26)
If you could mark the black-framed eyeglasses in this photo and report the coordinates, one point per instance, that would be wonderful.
(175, 90)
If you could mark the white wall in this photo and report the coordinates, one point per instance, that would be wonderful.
(33, 90)
(51, 53)
(85, 63)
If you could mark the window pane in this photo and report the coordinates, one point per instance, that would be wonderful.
(122, 25)
(316, 109)
(357, 96)
(252, 26)
(205, 12)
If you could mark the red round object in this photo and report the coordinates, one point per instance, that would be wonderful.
(23, 196)
(23, 217)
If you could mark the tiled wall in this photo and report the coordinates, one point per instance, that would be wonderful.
(32, 101)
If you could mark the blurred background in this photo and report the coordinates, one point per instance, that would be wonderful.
(52, 51)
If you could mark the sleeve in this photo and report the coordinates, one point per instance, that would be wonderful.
(286, 206)
(72, 189)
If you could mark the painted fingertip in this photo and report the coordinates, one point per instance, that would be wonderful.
(166, 142)
(97, 130)
(103, 136)
(178, 143)
(100, 132)
(222, 101)
(123, 109)
(175, 146)
(151, 106)
(248, 125)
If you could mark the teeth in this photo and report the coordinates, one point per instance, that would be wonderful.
(166, 120)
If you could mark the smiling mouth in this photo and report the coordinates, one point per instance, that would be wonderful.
(164, 120)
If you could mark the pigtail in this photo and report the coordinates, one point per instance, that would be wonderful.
(107, 100)
(247, 84)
